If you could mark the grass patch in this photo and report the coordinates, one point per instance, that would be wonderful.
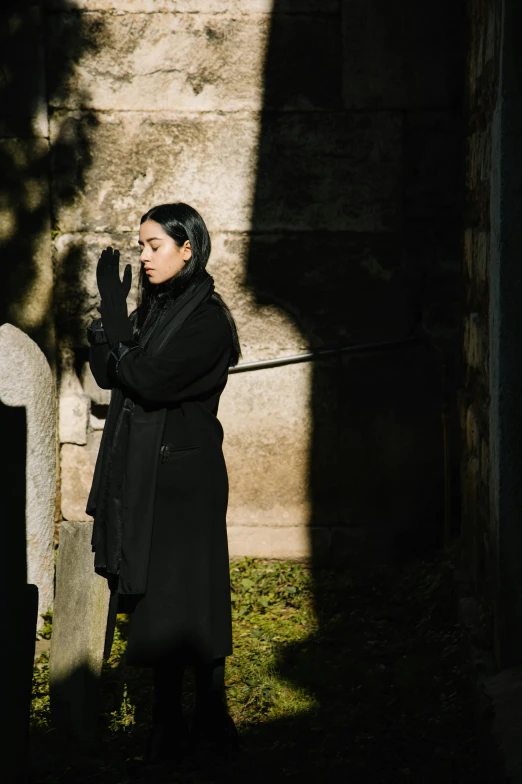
(358, 675)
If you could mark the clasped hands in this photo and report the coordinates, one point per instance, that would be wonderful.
(114, 293)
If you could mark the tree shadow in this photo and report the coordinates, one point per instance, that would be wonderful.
(35, 140)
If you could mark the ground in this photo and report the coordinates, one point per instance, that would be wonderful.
(336, 676)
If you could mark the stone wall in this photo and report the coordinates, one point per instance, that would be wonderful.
(321, 141)
(482, 95)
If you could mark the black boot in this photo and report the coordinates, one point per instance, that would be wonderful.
(169, 733)
(213, 728)
(167, 740)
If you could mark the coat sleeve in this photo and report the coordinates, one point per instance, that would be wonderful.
(191, 364)
(98, 354)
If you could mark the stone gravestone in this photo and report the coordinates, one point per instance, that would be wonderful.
(81, 597)
(26, 381)
(27, 495)
(77, 642)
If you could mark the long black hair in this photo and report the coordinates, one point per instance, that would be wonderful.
(182, 223)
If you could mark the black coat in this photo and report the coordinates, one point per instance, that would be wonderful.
(167, 542)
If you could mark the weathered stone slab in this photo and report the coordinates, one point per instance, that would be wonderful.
(403, 55)
(100, 397)
(74, 406)
(79, 624)
(476, 342)
(97, 423)
(266, 423)
(23, 99)
(194, 62)
(77, 468)
(295, 542)
(329, 171)
(234, 7)
(26, 380)
(484, 41)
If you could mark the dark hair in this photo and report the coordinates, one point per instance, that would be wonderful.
(182, 223)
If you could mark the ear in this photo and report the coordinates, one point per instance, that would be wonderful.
(187, 251)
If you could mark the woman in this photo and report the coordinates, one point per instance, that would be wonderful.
(160, 488)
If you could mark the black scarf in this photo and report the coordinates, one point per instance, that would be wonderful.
(121, 499)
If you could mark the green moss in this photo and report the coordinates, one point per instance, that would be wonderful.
(47, 628)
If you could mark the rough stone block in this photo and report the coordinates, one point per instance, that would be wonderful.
(269, 541)
(432, 259)
(485, 21)
(100, 397)
(402, 55)
(478, 172)
(376, 459)
(476, 257)
(194, 62)
(232, 7)
(26, 380)
(74, 406)
(266, 423)
(433, 164)
(484, 461)
(329, 171)
(476, 343)
(23, 99)
(96, 423)
(77, 468)
(472, 430)
(73, 415)
(79, 624)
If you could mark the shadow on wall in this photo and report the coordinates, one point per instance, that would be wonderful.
(356, 235)
(31, 142)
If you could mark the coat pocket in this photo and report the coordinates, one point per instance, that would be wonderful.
(169, 452)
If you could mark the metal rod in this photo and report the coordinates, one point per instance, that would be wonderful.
(320, 353)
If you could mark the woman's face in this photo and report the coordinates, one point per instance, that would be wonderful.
(160, 256)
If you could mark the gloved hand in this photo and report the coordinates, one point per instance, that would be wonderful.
(113, 292)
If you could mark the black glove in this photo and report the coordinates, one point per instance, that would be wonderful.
(113, 292)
